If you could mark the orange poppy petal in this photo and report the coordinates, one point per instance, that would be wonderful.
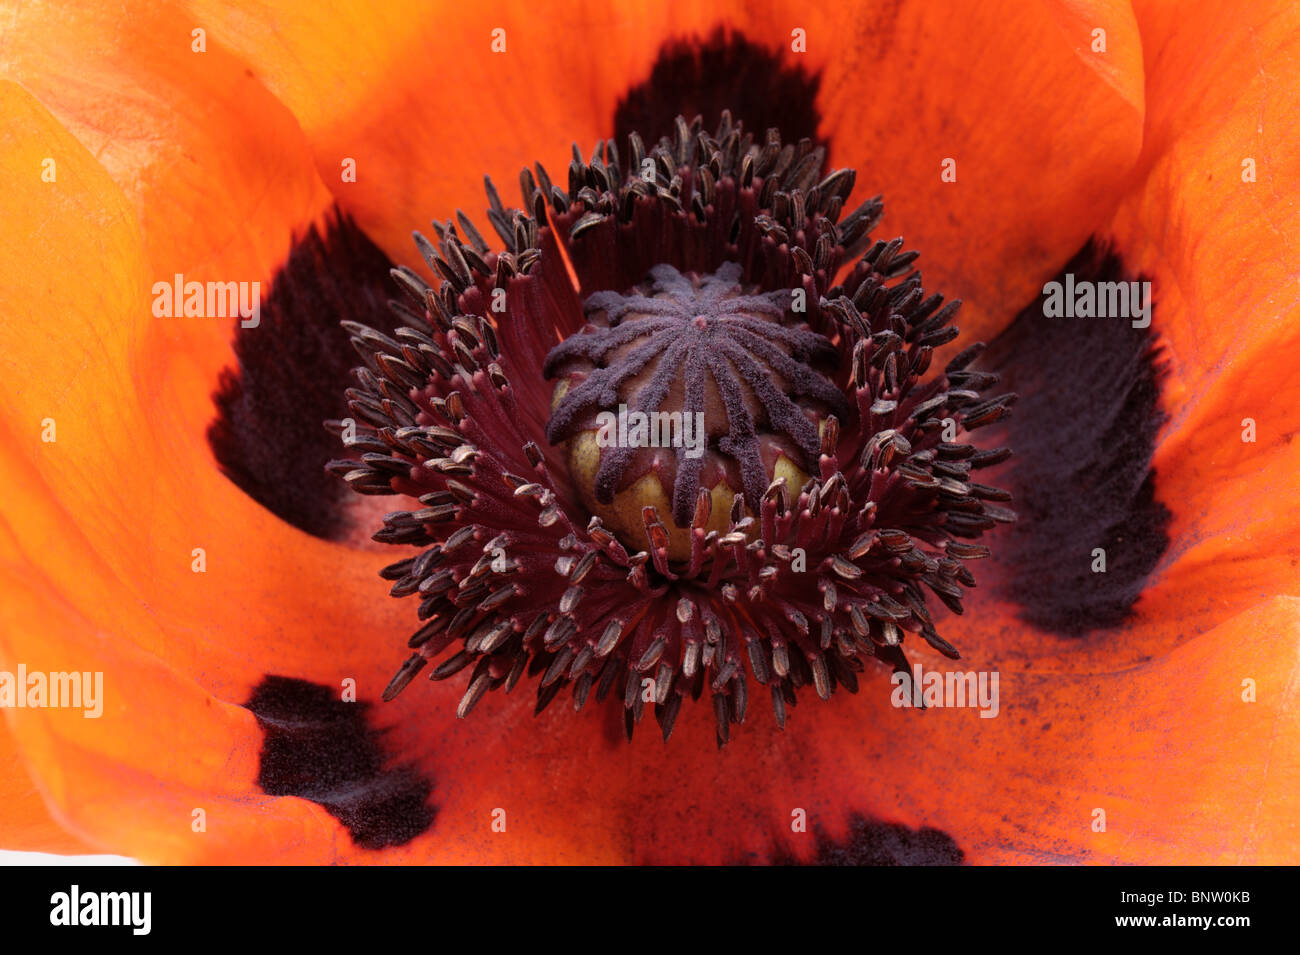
(189, 136)
(1225, 295)
(1232, 501)
(124, 447)
(415, 95)
(1050, 134)
(1220, 249)
(1032, 779)
(26, 824)
(101, 524)
(1184, 769)
(214, 167)
(1221, 252)
(1043, 131)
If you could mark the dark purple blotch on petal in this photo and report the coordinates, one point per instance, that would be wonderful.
(291, 374)
(875, 843)
(318, 747)
(1084, 433)
(727, 71)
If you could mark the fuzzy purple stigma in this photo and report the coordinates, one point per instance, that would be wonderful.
(705, 363)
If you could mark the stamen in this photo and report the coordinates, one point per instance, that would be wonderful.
(832, 488)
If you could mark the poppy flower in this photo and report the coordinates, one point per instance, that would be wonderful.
(179, 521)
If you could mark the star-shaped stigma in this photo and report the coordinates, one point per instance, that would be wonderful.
(698, 344)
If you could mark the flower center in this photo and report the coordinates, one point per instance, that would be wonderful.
(688, 384)
(681, 432)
